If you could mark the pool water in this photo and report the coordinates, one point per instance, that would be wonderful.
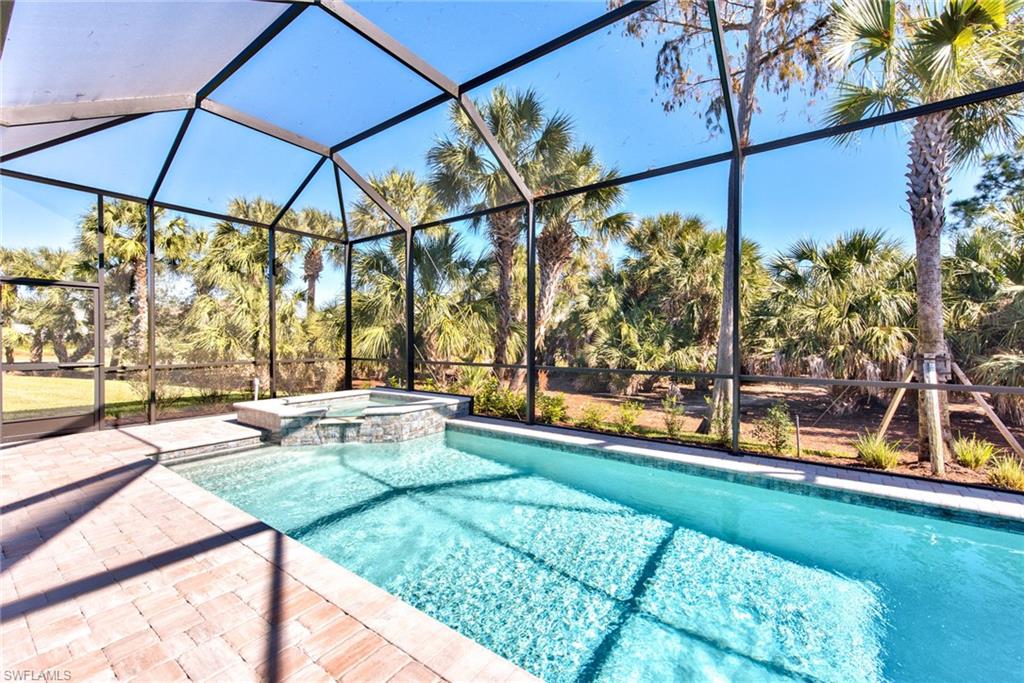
(355, 407)
(579, 568)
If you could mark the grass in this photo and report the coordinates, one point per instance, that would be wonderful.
(823, 453)
(875, 451)
(1007, 472)
(31, 396)
(973, 452)
(27, 396)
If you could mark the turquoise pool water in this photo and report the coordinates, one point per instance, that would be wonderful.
(355, 406)
(580, 568)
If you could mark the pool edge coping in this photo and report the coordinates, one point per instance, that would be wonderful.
(979, 507)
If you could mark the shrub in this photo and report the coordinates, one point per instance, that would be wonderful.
(721, 420)
(494, 399)
(629, 411)
(592, 418)
(973, 452)
(1007, 472)
(776, 428)
(551, 408)
(874, 451)
(428, 384)
(673, 415)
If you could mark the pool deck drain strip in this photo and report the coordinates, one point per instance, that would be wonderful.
(971, 505)
(116, 567)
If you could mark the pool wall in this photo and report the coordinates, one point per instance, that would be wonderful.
(991, 509)
(305, 420)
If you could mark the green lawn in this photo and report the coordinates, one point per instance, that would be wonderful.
(27, 396)
(34, 395)
(30, 396)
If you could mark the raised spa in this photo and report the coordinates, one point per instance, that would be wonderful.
(367, 415)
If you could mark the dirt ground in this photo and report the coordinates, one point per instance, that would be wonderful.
(824, 432)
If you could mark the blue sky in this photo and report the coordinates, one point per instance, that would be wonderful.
(325, 83)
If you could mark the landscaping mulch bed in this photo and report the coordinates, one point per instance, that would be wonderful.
(826, 434)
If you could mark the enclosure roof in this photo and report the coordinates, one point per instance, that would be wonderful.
(320, 76)
(60, 54)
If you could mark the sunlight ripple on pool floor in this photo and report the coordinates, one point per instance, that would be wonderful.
(566, 583)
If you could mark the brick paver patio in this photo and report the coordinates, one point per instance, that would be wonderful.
(116, 568)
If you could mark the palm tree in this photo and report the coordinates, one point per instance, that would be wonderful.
(318, 222)
(984, 291)
(898, 55)
(658, 308)
(454, 307)
(414, 200)
(680, 259)
(378, 285)
(124, 246)
(379, 271)
(452, 293)
(228, 319)
(37, 316)
(464, 174)
(571, 225)
(841, 310)
(454, 298)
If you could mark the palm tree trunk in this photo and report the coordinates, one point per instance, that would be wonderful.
(35, 353)
(554, 252)
(928, 177)
(312, 266)
(81, 351)
(136, 338)
(60, 349)
(503, 228)
(722, 391)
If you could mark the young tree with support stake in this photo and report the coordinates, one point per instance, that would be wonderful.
(898, 55)
(780, 51)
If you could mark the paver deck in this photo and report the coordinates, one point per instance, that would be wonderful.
(116, 568)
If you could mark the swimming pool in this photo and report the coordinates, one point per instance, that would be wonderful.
(582, 568)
